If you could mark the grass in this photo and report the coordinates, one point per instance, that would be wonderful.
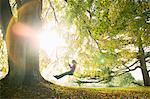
(52, 91)
(102, 93)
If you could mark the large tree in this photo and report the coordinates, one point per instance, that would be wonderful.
(22, 41)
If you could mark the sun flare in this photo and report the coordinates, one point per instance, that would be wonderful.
(51, 39)
(54, 39)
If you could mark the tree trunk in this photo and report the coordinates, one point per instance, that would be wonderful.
(144, 70)
(30, 14)
(5, 15)
(22, 2)
(22, 45)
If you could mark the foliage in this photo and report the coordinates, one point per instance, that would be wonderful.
(44, 60)
(111, 30)
(124, 80)
(3, 58)
(139, 82)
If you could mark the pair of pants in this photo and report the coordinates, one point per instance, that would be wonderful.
(64, 74)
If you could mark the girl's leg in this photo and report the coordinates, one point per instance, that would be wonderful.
(64, 74)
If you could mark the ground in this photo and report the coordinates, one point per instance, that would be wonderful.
(52, 91)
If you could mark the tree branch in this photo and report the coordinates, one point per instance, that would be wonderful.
(147, 55)
(132, 64)
(133, 69)
(66, 1)
(79, 81)
(89, 13)
(53, 11)
(128, 67)
(127, 71)
(47, 11)
(51, 6)
(137, 83)
(93, 39)
(147, 60)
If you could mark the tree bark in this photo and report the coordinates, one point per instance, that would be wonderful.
(5, 15)
(22, 45)
(144, 70)
(31, 15)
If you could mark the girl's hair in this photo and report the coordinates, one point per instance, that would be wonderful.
(74, 62)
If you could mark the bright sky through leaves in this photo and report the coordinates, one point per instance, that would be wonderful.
(51, 39)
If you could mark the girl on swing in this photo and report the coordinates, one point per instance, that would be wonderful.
(72, 69)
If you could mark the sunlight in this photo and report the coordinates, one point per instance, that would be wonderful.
(53, 43)
(51, 39)
(137, 74)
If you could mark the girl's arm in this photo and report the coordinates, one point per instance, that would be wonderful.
(69, 65)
